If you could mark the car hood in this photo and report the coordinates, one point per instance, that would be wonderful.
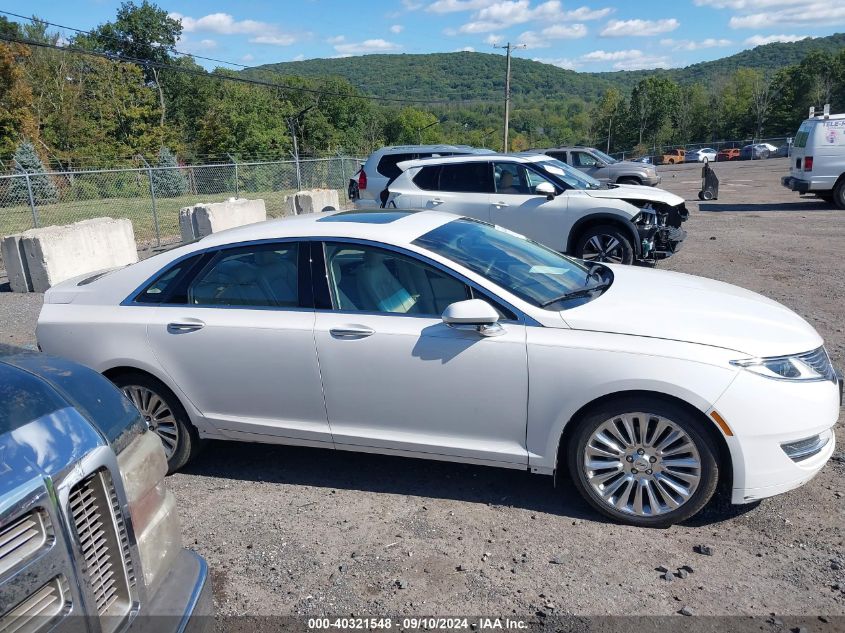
(624, 165)
(679, 307)
(636, 192)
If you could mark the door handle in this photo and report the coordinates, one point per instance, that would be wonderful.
(351, 332)
(185, 326)
(501, 204)
(437, 201)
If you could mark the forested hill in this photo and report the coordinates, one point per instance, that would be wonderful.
(471, 76)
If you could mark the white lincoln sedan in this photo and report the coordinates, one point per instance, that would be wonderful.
(429, 335)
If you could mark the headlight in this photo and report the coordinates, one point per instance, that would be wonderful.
(808, 366)
(152, 507)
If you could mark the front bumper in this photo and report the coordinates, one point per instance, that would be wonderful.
(796, 184)
(183, 602)
(652, 181)
(764, 414)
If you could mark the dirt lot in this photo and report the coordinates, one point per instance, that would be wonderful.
(306, 531)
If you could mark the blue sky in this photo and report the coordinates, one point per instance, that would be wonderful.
(599, 36)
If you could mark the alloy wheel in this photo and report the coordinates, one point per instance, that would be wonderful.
(642, 464)
(157, 414)
(604, 248)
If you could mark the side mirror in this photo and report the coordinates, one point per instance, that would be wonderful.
(473, 314)
(546, 189)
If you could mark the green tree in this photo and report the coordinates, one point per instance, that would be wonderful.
(411, 126)
(652, 103)
(607, 112)
(17, 119)
(143, 32)
(43, 189)
(168, 180)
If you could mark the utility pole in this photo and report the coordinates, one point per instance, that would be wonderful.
(508, 47)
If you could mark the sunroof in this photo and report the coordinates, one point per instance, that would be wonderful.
(363, 216)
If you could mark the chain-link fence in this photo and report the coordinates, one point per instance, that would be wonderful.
(782, 143)
(152, 196)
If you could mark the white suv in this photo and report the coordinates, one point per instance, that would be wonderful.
(817, 164)
(547, 201)
(380, 168)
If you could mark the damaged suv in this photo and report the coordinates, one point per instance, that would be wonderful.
(549, 202)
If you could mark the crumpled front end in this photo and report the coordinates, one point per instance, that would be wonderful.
(659, 228)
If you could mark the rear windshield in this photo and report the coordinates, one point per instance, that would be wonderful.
(803, 134)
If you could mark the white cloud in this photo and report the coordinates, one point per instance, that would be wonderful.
(632, 59)
(247, 58)
(412, 5)
(367, 46)
(274, 40)
(454, 6)
(695, 45)
(189, 45)
(337, 39)
(297, 58)
(465, 49)
(493, 39)
(639, 28)
(532, 39)
(560, 62)
(759, 40)
(805, 14)
(758, 14)
(225, 24)
(586, 14)
(397, 28)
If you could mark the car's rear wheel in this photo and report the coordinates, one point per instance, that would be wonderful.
(605, 243)
(164, 414)
(644, 462)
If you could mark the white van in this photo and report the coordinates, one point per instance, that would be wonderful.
(818, 159)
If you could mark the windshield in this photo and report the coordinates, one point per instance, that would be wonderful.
(564, 173)
(605, 157)
(524, 268)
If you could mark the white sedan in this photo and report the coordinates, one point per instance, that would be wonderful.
(703, 155)
(428, 335)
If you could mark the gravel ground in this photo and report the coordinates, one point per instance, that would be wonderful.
(306, 531)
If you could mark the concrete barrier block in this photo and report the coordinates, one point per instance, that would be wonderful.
(40, 258)
(212, 217)
(312, 201)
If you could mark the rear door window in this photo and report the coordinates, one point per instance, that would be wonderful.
(428, 178)
(467, 177)
(387, 166)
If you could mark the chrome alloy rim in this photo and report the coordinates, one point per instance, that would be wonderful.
(157, 414)
(603, 248)
(642, 464)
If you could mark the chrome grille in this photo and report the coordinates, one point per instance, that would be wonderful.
(38, 611)
(820, 362)
(99, 525)
(21, 539)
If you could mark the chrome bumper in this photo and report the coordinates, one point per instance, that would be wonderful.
(183, 602)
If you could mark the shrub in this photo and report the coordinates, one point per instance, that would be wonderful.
(169, 182)
(43, 189)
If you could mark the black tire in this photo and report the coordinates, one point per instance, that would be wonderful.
(187, 439)
(839, 194)
(764, 154)
(827, 197)
(688, 423)
(629, 180)
(585, 246)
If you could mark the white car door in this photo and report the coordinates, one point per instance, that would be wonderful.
(398, 379)
(463, 188)
(235, 340)
(515, 207)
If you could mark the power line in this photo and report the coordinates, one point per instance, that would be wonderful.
(151, 63)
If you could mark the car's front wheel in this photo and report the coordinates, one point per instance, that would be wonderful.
(644, 462)
(164, 414)
(629, 180)
(605, 243)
